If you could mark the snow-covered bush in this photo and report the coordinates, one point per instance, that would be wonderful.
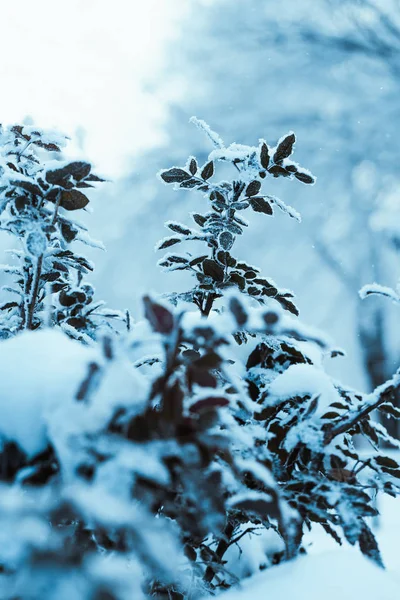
(49, 285)
(133, 465)
(304, 422)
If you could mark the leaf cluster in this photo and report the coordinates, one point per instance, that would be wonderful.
(37, 195)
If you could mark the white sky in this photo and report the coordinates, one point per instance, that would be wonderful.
(83, 63)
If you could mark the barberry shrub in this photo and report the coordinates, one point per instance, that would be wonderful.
(205, 427)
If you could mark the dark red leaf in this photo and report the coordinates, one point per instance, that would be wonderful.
(160, 318)
(208, 403)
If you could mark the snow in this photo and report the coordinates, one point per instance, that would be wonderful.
(36, 370)
(19, 525)
(214, 137)
(40, 375)
(258, 470)
(298, 380)
(233, 152)
(255, 549)
(388, 529)
(327, 571)
(382, 290)
(332, 576)
(286, 208)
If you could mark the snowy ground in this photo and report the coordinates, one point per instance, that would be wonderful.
(328, 576)
(389, 534)
(333, 573)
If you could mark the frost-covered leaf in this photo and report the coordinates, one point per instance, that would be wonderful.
(175, 175)
(193, 166)
(284, 148)
(305, 177)
(369, 545)
(226, 240)
(78, 169)
(207, 171)
(259, 204)
(73, 199)
(386, 461)
(380, 290)
(213, 269)
(57, 177)
(288, 305)
(68, 231)
(198, 219)
(28, 186)
(95, 178)
(264, 155)
(167, 242)
(253, 188)
(178, 228)
(278, 171)
(189, 184)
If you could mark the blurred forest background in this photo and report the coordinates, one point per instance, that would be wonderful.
(328, 70)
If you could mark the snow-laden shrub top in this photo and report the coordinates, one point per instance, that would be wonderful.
(219, 227)
(38, 194)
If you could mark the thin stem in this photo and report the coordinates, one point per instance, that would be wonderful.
(28, 143)
(34, 293)
(24, 303)
(205, 311)
(55, 214)
(30, 310)
(222, 547)
(128, 320)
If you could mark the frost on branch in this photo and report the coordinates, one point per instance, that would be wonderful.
(380, 290)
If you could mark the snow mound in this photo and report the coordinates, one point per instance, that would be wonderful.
(40, 375)
(332, 576)
(298, 380)
(36, 370)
